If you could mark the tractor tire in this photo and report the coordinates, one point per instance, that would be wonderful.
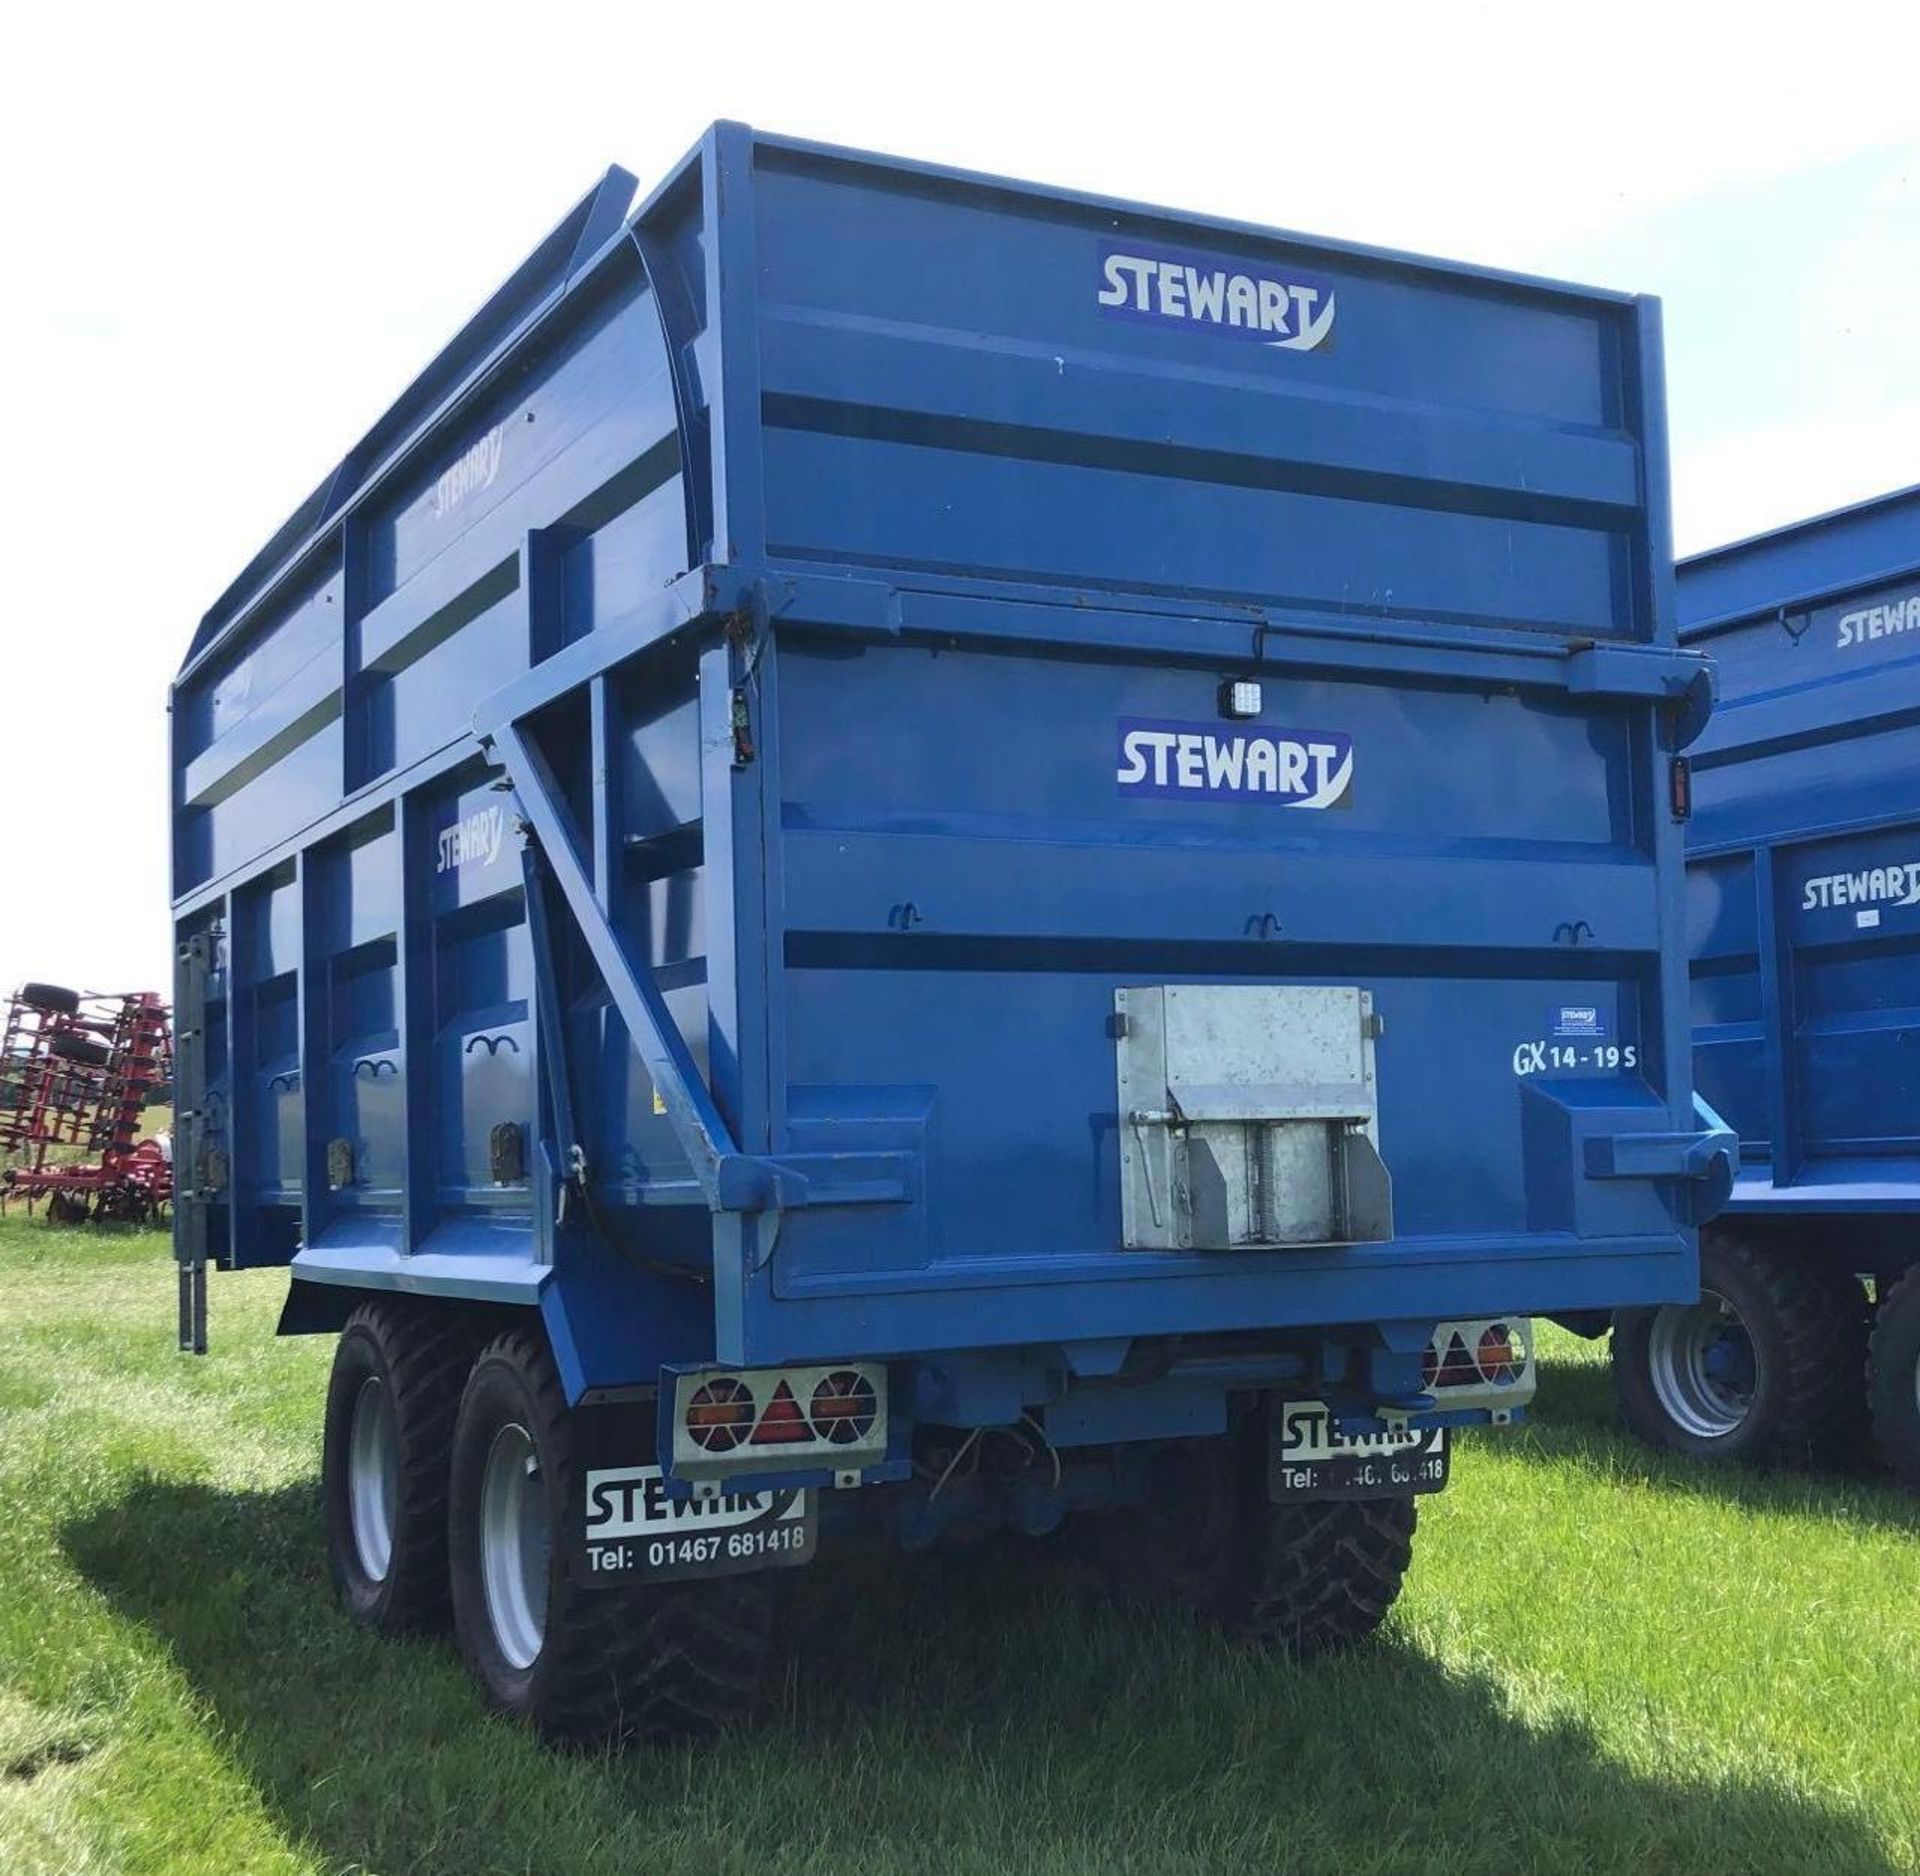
(1308, 1577)
(1326, 1571)
(81, 1049)
(1893, 1386)
(391, 1401)
(1768, 1367)
(582, 1666)
(56, 999)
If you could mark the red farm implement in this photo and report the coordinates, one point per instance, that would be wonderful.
(76, 1070)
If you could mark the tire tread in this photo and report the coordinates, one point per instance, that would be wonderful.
(637, 1662)
(56, 998)
(1332, 1569)
(428, 1352)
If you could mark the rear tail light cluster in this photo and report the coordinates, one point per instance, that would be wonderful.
(764, 1419)
(1491, 1357)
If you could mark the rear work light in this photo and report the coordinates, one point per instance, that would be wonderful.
(779, 1419)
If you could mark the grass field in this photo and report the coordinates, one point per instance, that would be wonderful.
(1602, 1662)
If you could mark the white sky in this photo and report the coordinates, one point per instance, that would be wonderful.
(234, 234)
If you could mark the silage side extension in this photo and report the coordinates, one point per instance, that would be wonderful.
(912, 854)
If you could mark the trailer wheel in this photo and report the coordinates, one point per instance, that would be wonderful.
(1767, 1367)
(1309, 1577)
(389, 1433)
(1894, 1384)
(582, 1666)
(1326, 1571)
(55, 998)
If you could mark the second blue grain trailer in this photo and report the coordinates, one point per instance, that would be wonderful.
(1804, 929)
(908, 855)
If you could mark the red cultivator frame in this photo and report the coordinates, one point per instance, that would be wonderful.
(75, 1072)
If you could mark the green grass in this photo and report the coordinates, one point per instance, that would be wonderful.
(1602, 1662)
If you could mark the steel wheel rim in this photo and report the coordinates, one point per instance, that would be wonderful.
(373, 1478)
(1705, 1368)
(514, 1541)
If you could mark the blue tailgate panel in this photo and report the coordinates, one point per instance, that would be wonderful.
(943, 391)
(734, 726)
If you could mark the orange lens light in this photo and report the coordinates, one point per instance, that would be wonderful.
(843, 1407)
(1499, 1355)
(719, 1414)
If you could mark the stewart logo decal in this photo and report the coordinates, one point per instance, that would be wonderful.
(473, 470)
(474, 841)
(1886, 620)
(1293, 311)
(1211, 762)
(1874, 885)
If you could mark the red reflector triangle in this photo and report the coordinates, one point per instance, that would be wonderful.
(1458, 1365)
(783, 1422)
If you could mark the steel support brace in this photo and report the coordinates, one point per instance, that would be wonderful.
(697, 1123)
(730, 1180)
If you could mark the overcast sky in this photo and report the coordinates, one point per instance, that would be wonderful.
(233, 235)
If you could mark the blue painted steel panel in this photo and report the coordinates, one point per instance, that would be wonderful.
(1804, 883)
(740, 717)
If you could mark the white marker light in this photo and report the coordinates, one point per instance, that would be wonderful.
(1240, 698)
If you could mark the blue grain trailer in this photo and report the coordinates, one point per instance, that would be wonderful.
(1804, 929)
(911, 854)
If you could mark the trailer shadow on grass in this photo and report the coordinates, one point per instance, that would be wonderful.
(956, 1713)
(1574, 1421)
